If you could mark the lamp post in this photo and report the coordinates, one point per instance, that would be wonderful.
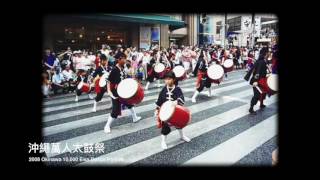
(252, 33)
(225, 31)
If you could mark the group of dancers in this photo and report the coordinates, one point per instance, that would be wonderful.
(210, 68)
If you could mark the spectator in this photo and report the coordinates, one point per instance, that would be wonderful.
(69, 77)
(111, 59)
(56, 63)
(45, 85)
(244, 57)
(66, 61)
(48, 62)
(129, 69)
(139, 72)
(97, 60)
(92, 59)
(58, 81)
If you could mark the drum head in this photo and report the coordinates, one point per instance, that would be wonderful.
(127, 88)
(215, 72)
(105, 75)
(178, 71)
(272, 82)
(159, 68)
(80, 85)
(102, 82)
(228, 63)
(166, 111)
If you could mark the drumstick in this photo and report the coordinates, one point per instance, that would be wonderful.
(259, 89)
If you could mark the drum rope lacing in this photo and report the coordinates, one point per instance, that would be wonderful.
(170, 93)
(122, 73)
(82, 78)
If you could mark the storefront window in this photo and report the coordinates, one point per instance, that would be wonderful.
(219, 27)
(234, 24)
(89, 37)
(155, 35)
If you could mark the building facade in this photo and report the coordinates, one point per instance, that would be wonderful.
(146, 30)
(237, 29)
(91, 31)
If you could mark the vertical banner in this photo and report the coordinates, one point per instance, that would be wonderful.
(145, 37)
(246, 23)
(257, 27)
(155, 35)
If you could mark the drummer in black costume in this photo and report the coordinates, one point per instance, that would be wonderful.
(101, 70)
(258, 71)
(82, 77)
(150, 70)
(202, 79)
(170, 92)
(117, 74)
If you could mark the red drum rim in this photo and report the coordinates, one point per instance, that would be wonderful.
(127, 87)
(166, 110)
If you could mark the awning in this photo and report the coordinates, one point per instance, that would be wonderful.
(269, 22)
(138, 18)
(181, 32)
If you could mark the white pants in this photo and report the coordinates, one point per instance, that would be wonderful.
(45, 90)
(194, 62)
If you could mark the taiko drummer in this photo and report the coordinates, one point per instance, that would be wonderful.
(82, 84)
(173, 93)
(201, 72)
(102, 71)
(117, 74)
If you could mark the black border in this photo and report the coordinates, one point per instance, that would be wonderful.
(30, 98)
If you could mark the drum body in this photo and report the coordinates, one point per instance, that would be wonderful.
(130, 91)
(215, 73)
(228, 65)
(160, 70)
(269, 84)
(176, 115)
(84, 87)
(180, 72)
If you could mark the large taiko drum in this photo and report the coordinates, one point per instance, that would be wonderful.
(272, 82)
(269, 84)
(176, 115)
(103, 80)
(84, 87)
(130, 91)
(228, 65)
(160, 70)
(180, 72)
(215, 73)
